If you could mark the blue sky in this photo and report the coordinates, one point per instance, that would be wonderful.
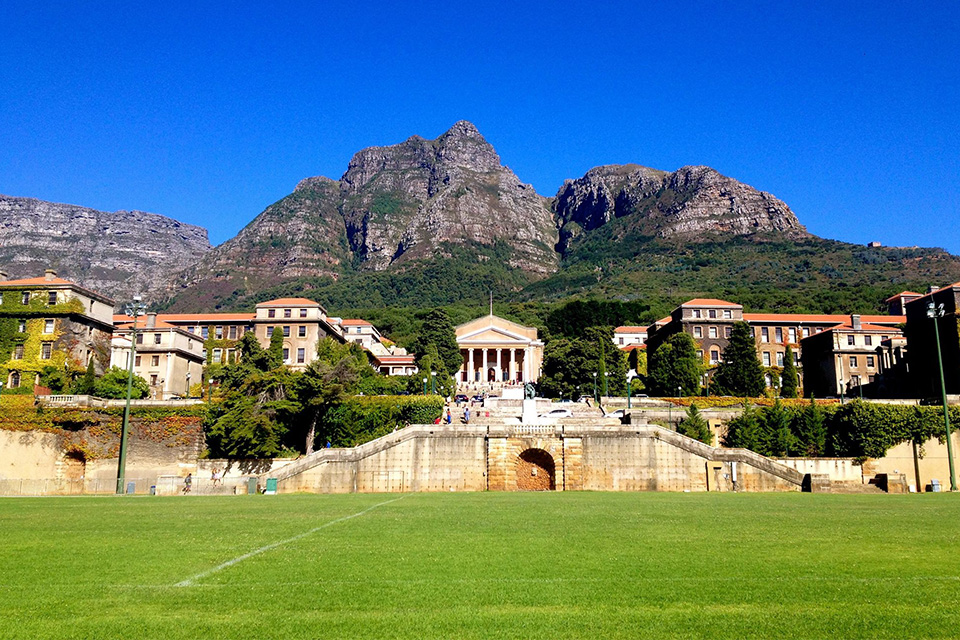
(209, 112)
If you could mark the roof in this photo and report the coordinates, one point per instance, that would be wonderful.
(353, 322)
(43, 281)
(708, 302)
(819, 318)
(630, 329)
(863, 327)
(631, 347)
(901, 294)
(142, 325)
(192, 318)
(289, 302)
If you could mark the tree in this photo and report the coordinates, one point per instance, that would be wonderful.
(430, 362)
(788, 387)
(813, 430)
(84, 386)
(275, 350)
(437, 329)
(778, 436)
(674, 363)
(694, 426)
(326, 383)
(113, 384)
(569, 363)
(740, 373)
(745, 431)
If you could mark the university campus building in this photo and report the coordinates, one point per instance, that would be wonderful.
(497, 351)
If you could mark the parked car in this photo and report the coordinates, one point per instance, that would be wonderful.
(461, 397)
(619, 413)
(558, 413)
(477, 398)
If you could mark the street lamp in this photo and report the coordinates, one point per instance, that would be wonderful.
(935, 311)
(606, 376)
(187, 394)
(424, 386)
(135, 309)
(630, 376)
(433, 383)
(594, 386)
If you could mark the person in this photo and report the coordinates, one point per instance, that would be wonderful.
(218, 476)
(466, 416)
(449, 416)
(187, 483)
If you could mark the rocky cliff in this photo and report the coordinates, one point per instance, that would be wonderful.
(690, 203)
(120, 254)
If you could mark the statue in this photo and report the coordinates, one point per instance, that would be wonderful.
(529, 391)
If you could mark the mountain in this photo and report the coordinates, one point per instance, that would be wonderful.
(120, 254)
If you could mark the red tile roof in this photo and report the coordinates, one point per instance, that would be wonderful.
(902, 293)
(34, 281)
(631, 347)
(864, 327)
(352, 322)
(289, 302)
(708, 302)
(818, 318)
(630, 329)
(191, 318)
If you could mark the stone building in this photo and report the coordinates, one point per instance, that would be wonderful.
(496, 351)
(303, 322)
(629, 335)
(168, 357)
(922, 345)
(51, 322)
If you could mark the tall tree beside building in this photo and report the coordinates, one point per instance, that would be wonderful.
(813, 430)
(437, 329)
(789, 379)
(694, 426)
(740, 373)
(674, 364)
(780, 441)
(275, 350)
(745, 431)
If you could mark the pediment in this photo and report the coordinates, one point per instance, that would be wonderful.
(490, 335)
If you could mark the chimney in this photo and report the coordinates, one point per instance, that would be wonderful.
(855, 321)
(151, 320)
(49, 274)
(932, 288)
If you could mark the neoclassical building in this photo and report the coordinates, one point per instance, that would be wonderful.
(496, 350)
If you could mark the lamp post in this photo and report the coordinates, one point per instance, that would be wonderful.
(935, 311)
(433, 383)
(187, 394)
(424, 386)
(594, 386)
(606, 376)
(630, 376)
(135, 309)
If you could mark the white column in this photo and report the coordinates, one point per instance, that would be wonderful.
(526, 368)
(470, 375)
(512, 374)
(486, 364)
(499, 367)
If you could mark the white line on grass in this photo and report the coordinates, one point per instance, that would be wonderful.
(189, 582)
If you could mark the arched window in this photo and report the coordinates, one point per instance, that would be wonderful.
(14, 379)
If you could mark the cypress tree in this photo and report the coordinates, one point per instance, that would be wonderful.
(778, 436)
(694, 426)
(275, 350)
(437, 329)
(788, 387)
(740, 373)
(675, 364)
(814, 435)
(744, 431)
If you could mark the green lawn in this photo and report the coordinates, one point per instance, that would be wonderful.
(485, 565)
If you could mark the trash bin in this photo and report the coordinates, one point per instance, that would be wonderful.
(271, 487)
(251, 486)
(935, 486)
(131, 487)
(153, 489)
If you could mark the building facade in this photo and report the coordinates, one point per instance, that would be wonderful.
(168, 357)
(496, 350)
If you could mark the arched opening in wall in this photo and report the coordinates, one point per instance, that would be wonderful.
(74, 465)
(491, 375)
(535, 471)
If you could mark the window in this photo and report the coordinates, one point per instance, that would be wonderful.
(154, 361)
(204, 332)
(286, 331)
(26, 297)
(303, 313)
(793, 335)
(696, 313)
(779, 358)
(712, 313)
(15, 380)
(713, 332)
(302, 332)
(700, 354)
(765, 334)
(18, 352)
(232, 333)
(621, 341)
(157, 338)
(52, 298)
(868, 340)
(714, 356)
(153, 380)
(269, 332)
(853, 362)
(231, 356)
(136, 361)
(139, 338)
(727, 314)
(286, 355)
(287, 313)
(851, 340)
(1, 297)
(22, 326)
(301, 355)
(218, 333)
(766, 358)
(819, 329)
(779, 334)
(768, 380)
(870, 361)
(217, 356)
(46, 350)
(726, 332)
(884, 338)
(855, 381)
(806, 332)
(796, 358)
(271, 313)
(697, 332)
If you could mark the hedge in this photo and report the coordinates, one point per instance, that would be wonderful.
(364, 418)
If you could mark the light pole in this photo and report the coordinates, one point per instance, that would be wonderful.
(606, 376)
(187, 393)
(594, 386)
(630, 376)
(433, 383)
(135, 309)
(934, 311)
(424, 386)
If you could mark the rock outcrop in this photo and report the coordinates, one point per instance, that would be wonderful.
(692, 202)
(119, 254)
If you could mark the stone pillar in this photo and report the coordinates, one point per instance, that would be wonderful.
(512, 374)
(486, 364)
(499, 367)
(470, 375)
(526, 364)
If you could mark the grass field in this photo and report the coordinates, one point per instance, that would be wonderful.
(485, 565)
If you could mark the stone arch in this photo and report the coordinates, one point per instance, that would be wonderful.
(536, 471)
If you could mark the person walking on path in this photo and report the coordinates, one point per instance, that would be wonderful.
(187, 483)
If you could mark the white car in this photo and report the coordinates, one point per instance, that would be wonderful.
(619, 413)
(558, 413)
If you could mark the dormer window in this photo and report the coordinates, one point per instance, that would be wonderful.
(52, 298)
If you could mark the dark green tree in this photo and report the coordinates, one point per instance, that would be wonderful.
(437, 329)
(430, 362)
(790, 381)
(745, 431)
(113, 384)
(694, 426)
(740, 373)
(674, 363)
(326, 383)
(567, 364)
(812, 430)
(778, 436)
(275, 350)
(84, 386)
